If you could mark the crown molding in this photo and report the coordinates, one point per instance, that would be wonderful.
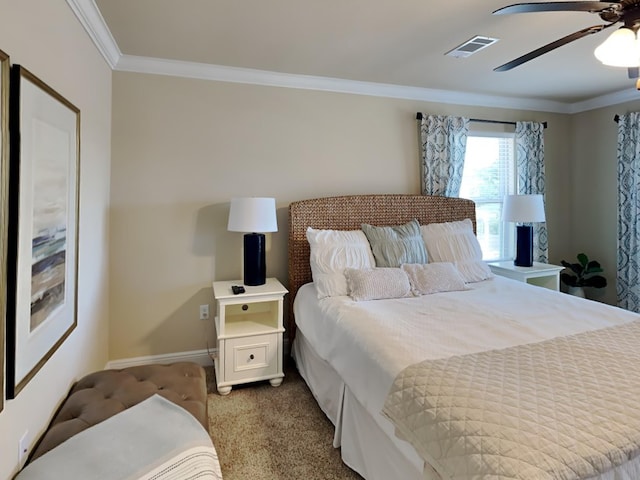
(91, 19)
(614, 98)
(159, 66)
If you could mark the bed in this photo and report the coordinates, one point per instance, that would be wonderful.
(492, 379)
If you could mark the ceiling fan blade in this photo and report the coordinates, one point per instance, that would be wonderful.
(593, 7)
(551, 46)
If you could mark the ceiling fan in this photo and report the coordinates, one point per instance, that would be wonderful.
(626, 12)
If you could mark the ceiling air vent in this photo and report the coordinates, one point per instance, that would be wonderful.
(471, 46)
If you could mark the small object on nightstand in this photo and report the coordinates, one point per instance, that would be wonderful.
(236, 289)
(248, 334)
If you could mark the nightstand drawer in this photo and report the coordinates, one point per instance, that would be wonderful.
(251, 358)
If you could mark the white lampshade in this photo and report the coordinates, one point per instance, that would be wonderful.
(620, 49)
(523, 208)
(252, 214)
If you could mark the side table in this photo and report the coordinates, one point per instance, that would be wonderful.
(249, 332)
(540, 274)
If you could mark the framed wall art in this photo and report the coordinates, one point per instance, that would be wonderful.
(44, 173)
(4, 186)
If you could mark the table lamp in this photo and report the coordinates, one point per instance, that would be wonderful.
(254, 216)
(523, 209)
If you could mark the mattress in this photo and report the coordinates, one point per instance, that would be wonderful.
(369, 343)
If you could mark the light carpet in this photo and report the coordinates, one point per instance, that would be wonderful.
(262, 432)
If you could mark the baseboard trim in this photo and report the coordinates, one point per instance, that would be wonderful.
(201, 357)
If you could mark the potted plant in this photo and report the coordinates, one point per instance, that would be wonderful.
(582, 274)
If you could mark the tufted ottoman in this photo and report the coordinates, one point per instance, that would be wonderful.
(105, 393)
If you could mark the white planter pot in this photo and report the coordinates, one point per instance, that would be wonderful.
(576, 292)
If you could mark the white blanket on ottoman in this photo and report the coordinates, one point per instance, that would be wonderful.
(155, 439)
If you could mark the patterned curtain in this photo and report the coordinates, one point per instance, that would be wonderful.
(530, 167)
(444, 141)
(628, 281)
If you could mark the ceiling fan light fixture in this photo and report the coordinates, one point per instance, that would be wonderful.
(620, 49)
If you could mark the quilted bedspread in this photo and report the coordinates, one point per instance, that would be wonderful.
(564, 408)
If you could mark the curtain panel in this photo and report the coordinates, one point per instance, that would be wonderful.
(531, 178)
(628, 158)
(443, 145)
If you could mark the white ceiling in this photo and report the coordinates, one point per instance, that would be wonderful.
(383, 47)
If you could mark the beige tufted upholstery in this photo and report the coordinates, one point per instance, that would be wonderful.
(102, 394)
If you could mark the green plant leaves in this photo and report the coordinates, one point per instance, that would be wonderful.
(596, 281)
(593, 267)
(569, 280)
(583, 273)
(583, 259)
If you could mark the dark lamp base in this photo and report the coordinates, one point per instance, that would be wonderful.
(524, 246)
(255, 265)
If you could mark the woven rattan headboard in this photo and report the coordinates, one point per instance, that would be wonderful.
(349, 213)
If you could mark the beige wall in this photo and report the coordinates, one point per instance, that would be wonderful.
(182, 148)
(46, 38)
(594, 191)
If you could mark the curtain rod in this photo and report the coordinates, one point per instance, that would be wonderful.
(480, 120)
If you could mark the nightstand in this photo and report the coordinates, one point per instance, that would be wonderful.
(249, 334)
(540, 274)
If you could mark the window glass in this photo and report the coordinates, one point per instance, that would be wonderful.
(489, 175)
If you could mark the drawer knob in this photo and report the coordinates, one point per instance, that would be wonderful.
(251, 357)
(245, 307)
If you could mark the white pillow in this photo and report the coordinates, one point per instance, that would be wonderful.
(377, 283)
(332, 251)
(455, 242)
(433, 278)
(474, 270)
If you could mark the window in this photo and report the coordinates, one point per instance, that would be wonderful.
(489, 175)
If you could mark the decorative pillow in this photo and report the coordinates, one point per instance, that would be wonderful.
(331, 252)
(393, 246)
(455, 242)
(377, 283)
(474, 270)
(433, 278)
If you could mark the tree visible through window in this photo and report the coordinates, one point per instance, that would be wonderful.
(489, 175)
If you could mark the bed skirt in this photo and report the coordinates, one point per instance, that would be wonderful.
(368, 446)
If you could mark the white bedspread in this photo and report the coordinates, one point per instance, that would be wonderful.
(381, 337)
(562, 409)
(370, 343)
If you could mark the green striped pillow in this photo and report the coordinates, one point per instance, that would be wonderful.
(393, 246)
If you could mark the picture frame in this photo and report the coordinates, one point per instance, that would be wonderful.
(4, 192)
(44, 181)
